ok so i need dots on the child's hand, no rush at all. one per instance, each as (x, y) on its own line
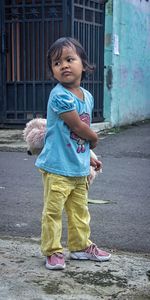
(96, 164)
(93, 145)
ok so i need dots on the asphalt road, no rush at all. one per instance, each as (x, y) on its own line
(123, 223)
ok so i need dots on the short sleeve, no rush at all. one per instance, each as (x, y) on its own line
(62, 103)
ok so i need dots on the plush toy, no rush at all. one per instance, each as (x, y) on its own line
(34, 134)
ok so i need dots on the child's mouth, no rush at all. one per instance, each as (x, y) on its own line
(66, 73)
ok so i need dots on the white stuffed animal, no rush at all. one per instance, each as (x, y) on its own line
(34, 134)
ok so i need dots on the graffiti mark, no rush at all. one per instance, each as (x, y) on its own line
(126, 75)
(138, 74)
(141, 5)
(123, 76)
(109, 8)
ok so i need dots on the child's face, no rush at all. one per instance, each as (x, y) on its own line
(68, 68)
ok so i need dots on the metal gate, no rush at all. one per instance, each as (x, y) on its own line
(88, 28)
(28, 27)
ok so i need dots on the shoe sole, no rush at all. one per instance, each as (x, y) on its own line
(56, 267)
(76, 257)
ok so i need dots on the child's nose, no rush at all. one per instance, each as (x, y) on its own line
(64, 65)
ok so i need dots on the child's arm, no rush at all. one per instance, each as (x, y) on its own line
(72, 119)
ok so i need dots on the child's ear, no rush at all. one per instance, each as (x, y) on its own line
(84, 69)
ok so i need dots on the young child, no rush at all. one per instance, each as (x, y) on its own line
(65, 158)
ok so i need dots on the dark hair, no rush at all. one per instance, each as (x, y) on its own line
(56, 50)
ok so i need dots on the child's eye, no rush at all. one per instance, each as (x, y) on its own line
(57, 63)
(70, 59)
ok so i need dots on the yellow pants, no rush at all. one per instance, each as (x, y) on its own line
(70, 193)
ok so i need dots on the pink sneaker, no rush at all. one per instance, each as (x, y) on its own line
(91, 253)
(55, 262)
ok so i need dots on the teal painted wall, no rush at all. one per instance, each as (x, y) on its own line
(108, 60)
(128, 98)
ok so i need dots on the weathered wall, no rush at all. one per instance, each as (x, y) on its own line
(128, 98)
(108, 60)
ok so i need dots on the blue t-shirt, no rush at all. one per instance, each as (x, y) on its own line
(64, 152)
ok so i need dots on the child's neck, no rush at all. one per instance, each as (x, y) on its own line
(76, 90)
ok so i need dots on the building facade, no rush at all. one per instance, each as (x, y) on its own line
(115, 35)
(127, 61)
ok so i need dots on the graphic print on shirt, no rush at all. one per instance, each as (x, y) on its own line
(81, 142)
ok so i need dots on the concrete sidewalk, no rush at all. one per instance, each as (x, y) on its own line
(12, 140)
(23, 275)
